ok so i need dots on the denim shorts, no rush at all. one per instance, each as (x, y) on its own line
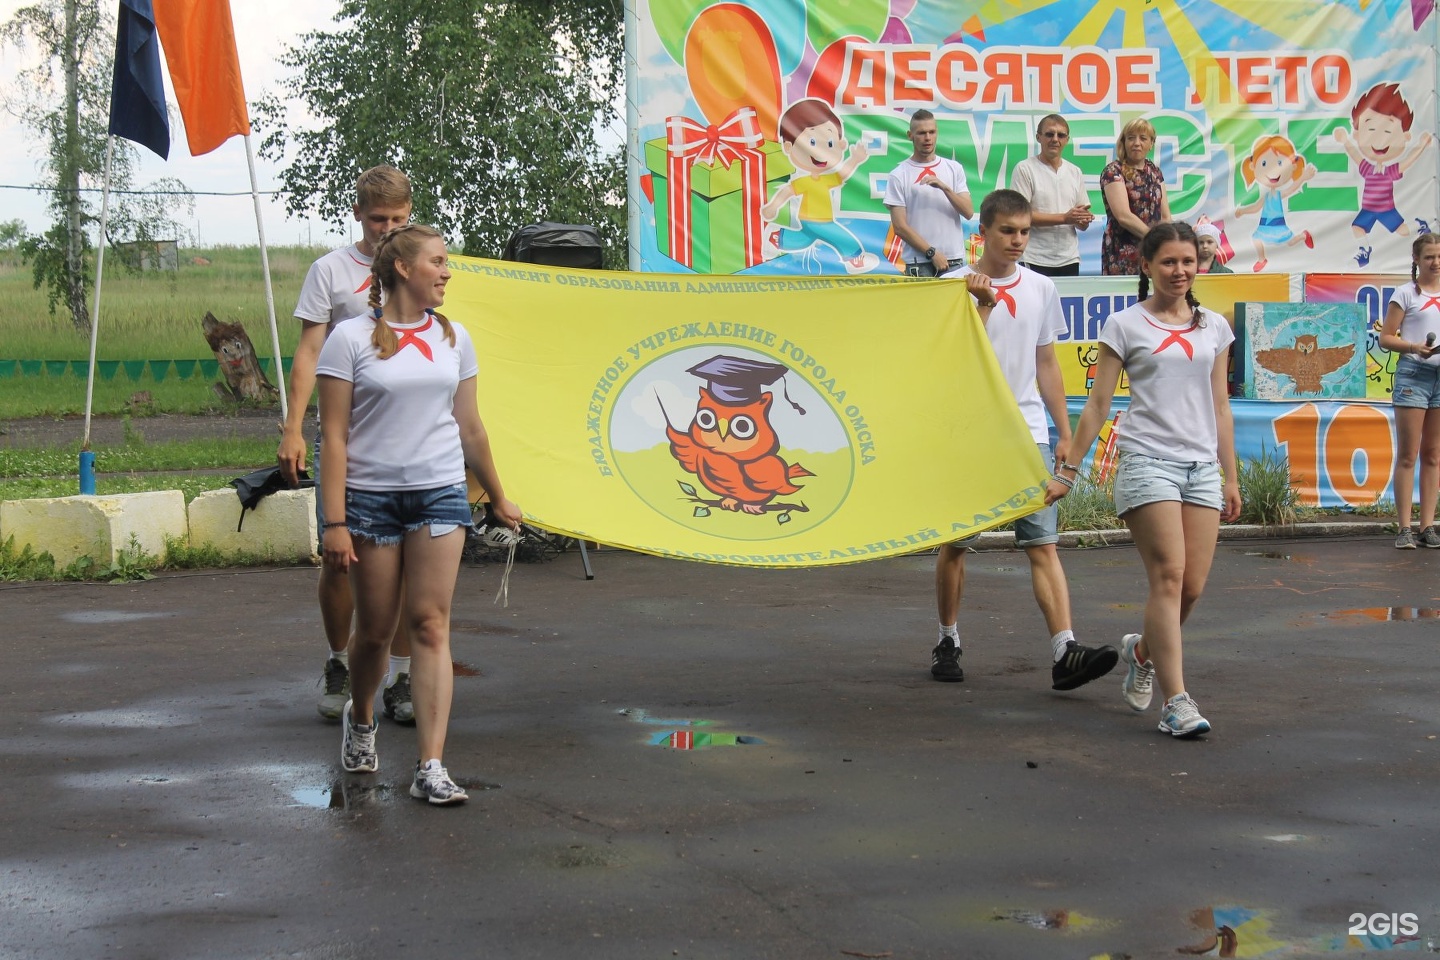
(385, 516)
(1416, 384)
(1140, 480)
(1035, 529)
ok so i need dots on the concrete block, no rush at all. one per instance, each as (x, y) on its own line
(69, 528)
(282, 526)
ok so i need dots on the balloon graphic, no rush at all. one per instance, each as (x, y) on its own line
(731, 62)
(830, 20)
(900, 9)
(787, 25)
(671, 19)
(895, 32)
(829, 69)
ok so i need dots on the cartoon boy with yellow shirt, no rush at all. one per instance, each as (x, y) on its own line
(814, 141)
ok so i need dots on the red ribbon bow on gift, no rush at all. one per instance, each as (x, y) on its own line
(734, 139)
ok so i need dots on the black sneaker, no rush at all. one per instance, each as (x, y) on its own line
(945, 662)
(1082, 664)
(396, 698)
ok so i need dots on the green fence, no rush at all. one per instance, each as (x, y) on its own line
(158, 370)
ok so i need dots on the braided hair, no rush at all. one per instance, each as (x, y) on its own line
(1150, 244)
(400, 244)
(1417, 248)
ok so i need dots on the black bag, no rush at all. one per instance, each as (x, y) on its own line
(254, 487)
(556, 245)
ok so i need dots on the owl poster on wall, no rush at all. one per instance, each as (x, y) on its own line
(1290, 351)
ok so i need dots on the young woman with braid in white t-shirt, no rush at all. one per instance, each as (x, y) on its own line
(1412, 321)
(1176, 478)
(398, 411)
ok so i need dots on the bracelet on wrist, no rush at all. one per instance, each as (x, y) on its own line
(1066, 481)
(1068, 466)
(330, 524)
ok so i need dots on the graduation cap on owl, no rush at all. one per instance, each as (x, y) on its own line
(738, 380)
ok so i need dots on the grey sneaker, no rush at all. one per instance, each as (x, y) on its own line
(1180, 717)
(1406, 540)
(1139, 683)
(1430, 538)
(397, 700)
(433, 783)
(336, 682)
(945, 662)
(357, 745)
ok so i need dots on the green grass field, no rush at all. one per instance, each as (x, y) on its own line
(144, 316)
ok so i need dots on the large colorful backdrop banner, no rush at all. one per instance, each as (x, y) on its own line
(1291, 122)
(770, 422)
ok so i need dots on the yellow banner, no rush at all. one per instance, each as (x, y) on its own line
(768, 422)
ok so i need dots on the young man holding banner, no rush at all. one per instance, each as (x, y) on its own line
(1021, 312)
(337, 288)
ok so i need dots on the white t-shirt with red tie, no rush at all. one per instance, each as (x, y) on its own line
(1026, 316)
(1172, 409)
(1422, 317)
(403, 433)
(927, 209)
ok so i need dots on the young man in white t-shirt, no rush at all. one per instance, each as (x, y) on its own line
(929, 201)
(1059, 202)
(337, 288)
(1021, 312)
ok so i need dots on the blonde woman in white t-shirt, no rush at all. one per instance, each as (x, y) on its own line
(1176, 478)
(1412, 321)
(398, 411)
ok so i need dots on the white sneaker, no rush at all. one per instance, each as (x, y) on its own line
(1180, 717)
(863, 263)
(1139, 683)
(433, 783)
(357, 744)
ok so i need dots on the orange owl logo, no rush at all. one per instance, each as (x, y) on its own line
(731, 446)
(1306, 361)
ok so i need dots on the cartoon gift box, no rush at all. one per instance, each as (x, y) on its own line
(708, 182)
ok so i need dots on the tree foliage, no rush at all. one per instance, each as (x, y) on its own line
(502, 114)
(64, 97)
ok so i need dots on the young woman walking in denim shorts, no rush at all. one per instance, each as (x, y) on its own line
(398, 411)
(1412, 322)
(1176, 479)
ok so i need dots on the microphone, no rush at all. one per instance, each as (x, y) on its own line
(1430, 339)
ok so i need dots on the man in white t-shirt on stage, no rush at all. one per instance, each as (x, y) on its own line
(929, 201)
(1059, 202)
(1021, 312)
(337, 288)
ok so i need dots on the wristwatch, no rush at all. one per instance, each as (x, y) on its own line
(929, 253)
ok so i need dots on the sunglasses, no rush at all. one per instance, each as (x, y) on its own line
(1055, 134)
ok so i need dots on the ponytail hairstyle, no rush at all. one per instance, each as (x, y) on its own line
(1157, 237)
(401, 244)
(1417, 248)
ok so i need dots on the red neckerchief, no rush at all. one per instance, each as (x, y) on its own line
(1432, 302)
(1003, 295)
(1173, 336)
(931, 171)
(408, 337)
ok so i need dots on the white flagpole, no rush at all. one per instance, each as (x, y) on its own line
(269, 290)
(87, 458)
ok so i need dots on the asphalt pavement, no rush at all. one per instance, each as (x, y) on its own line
(681, 760)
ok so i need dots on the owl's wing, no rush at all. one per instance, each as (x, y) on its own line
(1280, 361)
(684, 449)
(1331, 359)
(769, 475)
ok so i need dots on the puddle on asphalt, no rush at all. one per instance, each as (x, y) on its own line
(1269, 554)
(358, 794)
(465, 670)
(1385, 613)
(1233, 931)
(683, 735)
(1071, 920)
(109, 616)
